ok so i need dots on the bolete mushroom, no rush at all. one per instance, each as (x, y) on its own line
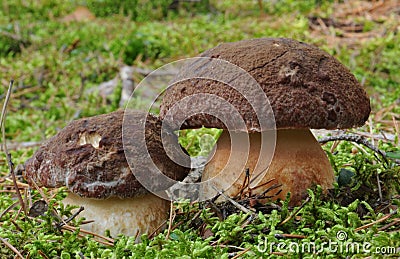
(307, 89)
(87, 157)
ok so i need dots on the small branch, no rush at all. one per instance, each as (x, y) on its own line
(44, 197)
(376, 221)
(391, 224)
(82, 232)
(17, 88)
(20, 185)
(263, 194)
(241, 253)
(16, 225)
(43, 254)
(8, 155)
(157, 230)
(359, 140)
(12, 248)
(215, 209)
(237, 205)
(81, 208)
(249, 220)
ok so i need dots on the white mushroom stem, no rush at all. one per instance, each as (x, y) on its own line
(298, 163)
(130, 216)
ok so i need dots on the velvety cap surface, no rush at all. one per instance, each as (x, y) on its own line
(306, 87)
(88, 157)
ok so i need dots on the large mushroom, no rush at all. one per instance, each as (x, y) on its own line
(307, 89)
(87, 157)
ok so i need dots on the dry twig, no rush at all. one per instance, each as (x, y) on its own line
(236, 204)
(391, 224)
(12, 248)
(108, 241)
(241, 253)
(64, 222)
(360, 140)
(8, 155)
(376, 221)
(154, 233)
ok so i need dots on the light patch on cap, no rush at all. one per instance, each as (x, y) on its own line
(287, 71)
(90, 138)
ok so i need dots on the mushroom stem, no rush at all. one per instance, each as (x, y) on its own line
(129, 216)
(298, 163)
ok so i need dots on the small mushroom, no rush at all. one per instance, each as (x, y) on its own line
(306, 88)
(87, 157)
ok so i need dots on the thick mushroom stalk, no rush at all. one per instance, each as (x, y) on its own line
(298, 163)
(306, 88)
(130, 216)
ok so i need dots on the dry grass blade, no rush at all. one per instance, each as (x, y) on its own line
(241, 253)
(43, 254)
(172, 216)
(20, 185)
(16, 225)
(64, 222)
(108, 241)
(8, 155)
(44, 197)
(273, 187)
(154, 233)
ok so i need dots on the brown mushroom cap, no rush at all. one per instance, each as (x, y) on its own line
(88, 157)
(306, 87)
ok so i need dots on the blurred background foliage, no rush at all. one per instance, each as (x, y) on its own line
(55, 50)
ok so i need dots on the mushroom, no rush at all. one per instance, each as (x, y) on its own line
(307, 89)
(87, 157)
